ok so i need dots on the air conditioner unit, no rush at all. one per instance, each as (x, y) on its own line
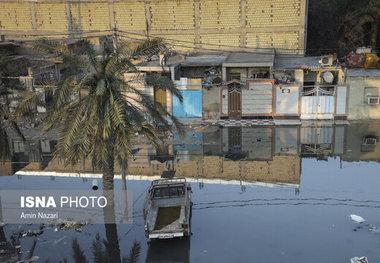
(373, 100)
(327, 60)
(370, 141)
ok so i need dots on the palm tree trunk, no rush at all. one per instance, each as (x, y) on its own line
(108, 173)
(112, 244)
(124, 184)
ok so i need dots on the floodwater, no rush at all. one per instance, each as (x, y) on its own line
(260, 194)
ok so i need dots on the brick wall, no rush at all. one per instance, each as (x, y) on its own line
(190, 24)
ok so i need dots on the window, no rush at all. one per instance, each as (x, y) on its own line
(234, 73)
(18, 146)
(165, 192)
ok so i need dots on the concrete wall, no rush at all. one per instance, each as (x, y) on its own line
(211, 103)
(358, 107)
(287, 100)
(224, 100)
(214, 24)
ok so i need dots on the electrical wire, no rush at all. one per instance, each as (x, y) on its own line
(193, 44)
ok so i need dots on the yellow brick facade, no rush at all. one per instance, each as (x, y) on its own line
(211, 24)
(172, 15)
(15, 16)
(282, 169)
(130, 16)
(51, 18)
(219, 14)
(90, 16)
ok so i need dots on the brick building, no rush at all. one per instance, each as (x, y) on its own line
(186, 24)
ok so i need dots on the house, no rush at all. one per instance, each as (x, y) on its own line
(363, 102)
(165, 66)
(206, 68)
(322, 91)
(197, 77)
(248, 90)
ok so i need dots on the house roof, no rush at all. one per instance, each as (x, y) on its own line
(204, 61)
(246, 59)
(298, 62)
(154, 64)
(363, 72)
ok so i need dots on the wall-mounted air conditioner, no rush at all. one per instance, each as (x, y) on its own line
(373, 100)
(327, 60)
(370, 141)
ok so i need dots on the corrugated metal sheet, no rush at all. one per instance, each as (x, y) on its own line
(258, 99)
(191, 106)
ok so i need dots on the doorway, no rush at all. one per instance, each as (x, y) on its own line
(234, 101)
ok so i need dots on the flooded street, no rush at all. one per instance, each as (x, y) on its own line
(260, 194)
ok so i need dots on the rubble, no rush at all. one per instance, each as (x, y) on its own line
(69, 224)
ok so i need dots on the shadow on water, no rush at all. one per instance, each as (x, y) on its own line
(177, 250)
(102, 252)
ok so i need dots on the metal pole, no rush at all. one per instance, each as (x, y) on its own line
(114, 38)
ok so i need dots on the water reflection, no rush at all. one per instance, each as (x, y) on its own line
(232, 155)
(169, 251)
(245, 154)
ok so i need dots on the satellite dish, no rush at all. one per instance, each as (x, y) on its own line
(327, 76)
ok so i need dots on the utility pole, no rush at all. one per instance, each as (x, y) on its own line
(114, 38)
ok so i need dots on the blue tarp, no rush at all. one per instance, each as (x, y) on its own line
(191, 106)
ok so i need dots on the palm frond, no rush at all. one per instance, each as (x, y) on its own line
(29, 103)
(148, 48)
(134, 253)
(78, 256)
(157, 80)
(51, 46)
(86, 48)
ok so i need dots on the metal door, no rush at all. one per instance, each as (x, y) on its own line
(160, 96)
(234, 102)
(317, 103)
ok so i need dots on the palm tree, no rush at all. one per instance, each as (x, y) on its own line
(4, 138)
(101, 125)
(6, 88)
(371, 15)
(100, 253)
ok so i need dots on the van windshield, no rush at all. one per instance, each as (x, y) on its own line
(165, 192)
